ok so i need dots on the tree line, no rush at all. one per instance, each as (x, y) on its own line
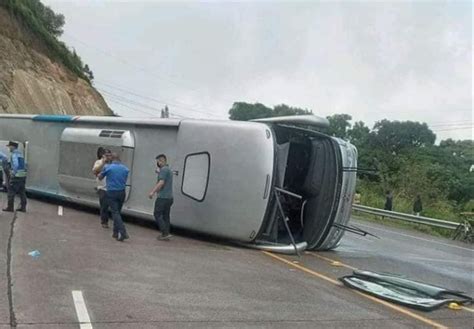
(397, 156)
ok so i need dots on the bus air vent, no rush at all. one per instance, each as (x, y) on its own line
(111, 133)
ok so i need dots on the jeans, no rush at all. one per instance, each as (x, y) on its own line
(104, 206)
(17, 186)
(162, 215)
(115, 201)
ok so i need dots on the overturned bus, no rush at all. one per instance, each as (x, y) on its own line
(275, 184)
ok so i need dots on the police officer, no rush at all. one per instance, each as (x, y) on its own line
(17, 180)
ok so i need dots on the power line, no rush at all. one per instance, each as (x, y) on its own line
(175, 104)
(150, 115)
(455, 128)
(129, 101)
(129, 107)
(126, 102)
(136, 67)
(448, 124)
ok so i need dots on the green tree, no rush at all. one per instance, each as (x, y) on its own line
(359, 134)
(245, 111)
(395, 135)
(51, 21)
(339, 125)
(285, 110)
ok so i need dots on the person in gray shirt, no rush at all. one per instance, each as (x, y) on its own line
(164, 200)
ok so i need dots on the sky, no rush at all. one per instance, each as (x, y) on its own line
(372, 60)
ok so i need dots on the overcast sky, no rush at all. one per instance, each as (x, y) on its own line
(372, 60)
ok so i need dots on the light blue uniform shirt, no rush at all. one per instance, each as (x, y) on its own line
(17, 163)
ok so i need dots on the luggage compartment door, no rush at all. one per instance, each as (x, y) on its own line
(78, 152)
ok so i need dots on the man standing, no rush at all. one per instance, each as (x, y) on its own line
(164, 200)
(417, 205)
(117, 174)
(388, 201)
(17, 180)
(103, 158)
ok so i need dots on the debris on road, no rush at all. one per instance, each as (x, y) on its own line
(403, 291)
(454, 306)
(35, 254)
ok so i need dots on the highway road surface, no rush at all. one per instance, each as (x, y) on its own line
(85, 279)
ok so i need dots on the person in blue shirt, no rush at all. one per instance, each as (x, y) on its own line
(116, 182)
(17, 181)
(164, 200)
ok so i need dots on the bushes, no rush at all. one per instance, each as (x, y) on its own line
(47, 25)
(434, 206)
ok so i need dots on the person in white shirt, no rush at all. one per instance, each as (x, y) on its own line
(103, 158)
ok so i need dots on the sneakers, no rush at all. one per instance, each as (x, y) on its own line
(7, 209)
(21, 209)
(115, 235)
(105, 225)
(164, 237)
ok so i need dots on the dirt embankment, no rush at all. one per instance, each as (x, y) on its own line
(32, 82)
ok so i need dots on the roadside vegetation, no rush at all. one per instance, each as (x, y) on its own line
(48, 27)
(400, 157)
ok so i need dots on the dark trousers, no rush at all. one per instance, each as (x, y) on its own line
(104, 207)
(17, 186)
(115, 201)
(162, 215)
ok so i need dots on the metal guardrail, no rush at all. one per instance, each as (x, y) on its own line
(407, 217)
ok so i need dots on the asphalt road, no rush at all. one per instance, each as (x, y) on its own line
(193, 282)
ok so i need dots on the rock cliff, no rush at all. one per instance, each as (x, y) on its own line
(33, 81)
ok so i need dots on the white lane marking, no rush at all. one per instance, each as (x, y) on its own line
(415, 237)
(60, 210)
(81, 310)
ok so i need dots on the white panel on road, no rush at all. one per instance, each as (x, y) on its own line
(60, 210)
(81, 310)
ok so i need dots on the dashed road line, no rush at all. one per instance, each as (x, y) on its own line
(304, 269)
(379, 301)
(81, 310)
(332, 261)
(60, 210)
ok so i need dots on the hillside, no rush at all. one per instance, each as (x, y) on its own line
(34, 79)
